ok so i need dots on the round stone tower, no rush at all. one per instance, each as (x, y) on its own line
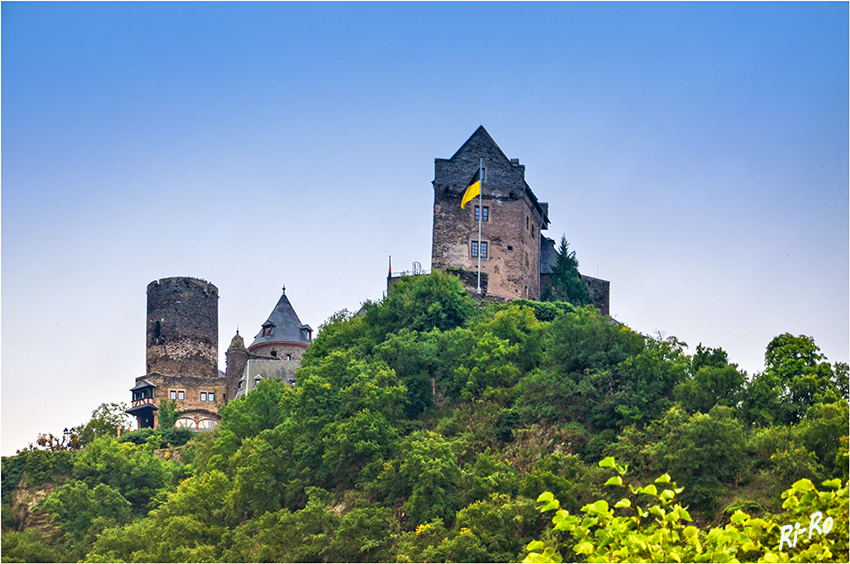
(182, 335)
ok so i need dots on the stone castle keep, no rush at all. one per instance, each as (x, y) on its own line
(182, 313)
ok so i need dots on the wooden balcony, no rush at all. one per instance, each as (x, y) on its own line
(143, 401)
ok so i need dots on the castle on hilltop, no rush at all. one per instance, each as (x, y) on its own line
(516, 258)
(182, 316)
(182, 354)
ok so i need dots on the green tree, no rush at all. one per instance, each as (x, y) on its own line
(308, 535)
(82, 513)
(491, 530)
(567, 284)
(705, 451)
(413, 356)
(821, 433)
(167, 416)
(31, 546)
(252, 413)
(187, 527)
(105, 421)
(712, 381)
(421, 303)
(489, 474)
(803, 377)
(133, 470)
(426, 474)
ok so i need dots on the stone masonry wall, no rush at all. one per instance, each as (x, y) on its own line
(182, 328)
(191, 404)
(600, 291)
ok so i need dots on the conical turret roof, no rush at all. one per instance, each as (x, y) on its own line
(283, 325)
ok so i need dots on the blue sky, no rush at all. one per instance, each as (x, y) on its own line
(694, 154)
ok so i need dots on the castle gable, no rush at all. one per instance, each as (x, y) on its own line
(479, 142)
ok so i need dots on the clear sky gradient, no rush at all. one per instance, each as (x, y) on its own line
(695, 155)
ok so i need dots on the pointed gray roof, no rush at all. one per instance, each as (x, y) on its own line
(284, 326)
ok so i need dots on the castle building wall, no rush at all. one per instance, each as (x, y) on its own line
(511, 231)
(187, 393)
(269, 360)
(182, 328)
(600, 291)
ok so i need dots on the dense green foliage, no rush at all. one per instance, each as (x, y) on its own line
(424, 428)
(648, 525)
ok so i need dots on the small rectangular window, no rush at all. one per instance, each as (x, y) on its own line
(485, 217)
(203, 396)
(475, 248)
(483, 250)
(181, 395)
(211, 396)
(172, 394)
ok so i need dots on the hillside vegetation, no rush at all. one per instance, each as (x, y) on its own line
(425, 428)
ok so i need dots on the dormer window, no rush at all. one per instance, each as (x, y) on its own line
(267, 330)
(307, 333)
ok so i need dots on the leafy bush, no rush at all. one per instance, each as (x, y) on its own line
(654, 527)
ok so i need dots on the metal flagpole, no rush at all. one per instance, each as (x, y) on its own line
(480, 216)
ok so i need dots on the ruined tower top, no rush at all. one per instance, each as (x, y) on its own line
(182, 328)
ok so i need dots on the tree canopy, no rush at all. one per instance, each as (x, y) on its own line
(425, 427)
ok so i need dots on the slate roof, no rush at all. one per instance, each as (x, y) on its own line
(285, 325)
(142, 384)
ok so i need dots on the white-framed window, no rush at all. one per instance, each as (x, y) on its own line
(211, 396)
(172, 394)
(203, 396)
(486, 214)
(181, 394)
(474, 249)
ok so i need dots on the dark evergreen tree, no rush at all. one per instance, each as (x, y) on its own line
(567, 285)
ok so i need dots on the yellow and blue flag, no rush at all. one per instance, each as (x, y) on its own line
(472, 190)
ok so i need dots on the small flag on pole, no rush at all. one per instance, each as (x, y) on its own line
(473, 189)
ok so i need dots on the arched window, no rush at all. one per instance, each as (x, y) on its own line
(186, 423)
(207, 424)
